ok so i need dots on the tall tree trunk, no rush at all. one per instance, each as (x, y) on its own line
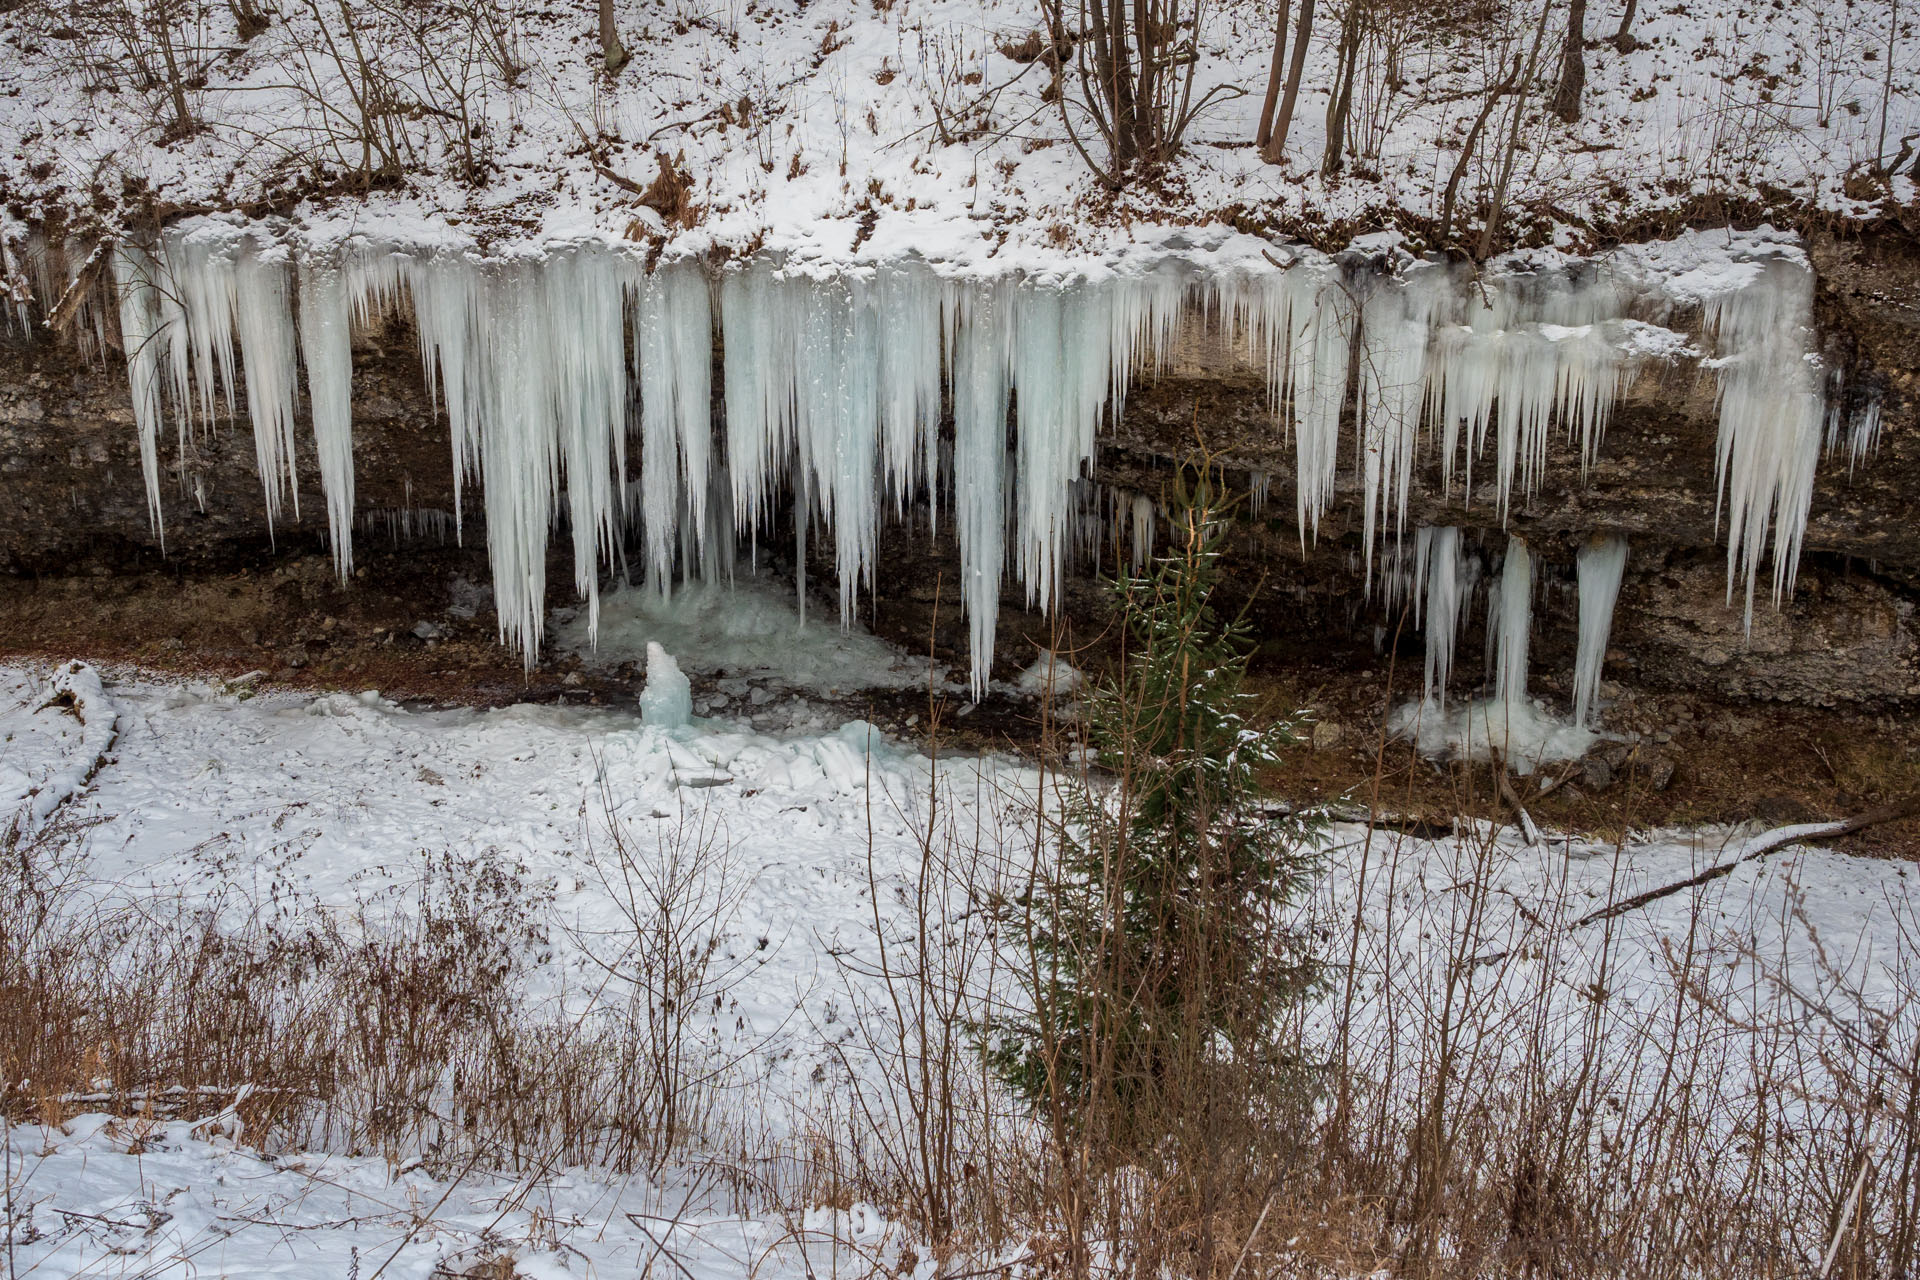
(1467, 148)
(1497, 205)
(611, 49)
(176, 82)
(1340, 105)
(1276, 72)
(1573, 64)
(1146, 78)
(1623, 38)
(1276, 147)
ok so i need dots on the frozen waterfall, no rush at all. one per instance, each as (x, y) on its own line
(835, 382)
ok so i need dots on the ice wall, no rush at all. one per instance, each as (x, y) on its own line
(837, 386)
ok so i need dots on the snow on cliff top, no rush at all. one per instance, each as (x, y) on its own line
(839, 129)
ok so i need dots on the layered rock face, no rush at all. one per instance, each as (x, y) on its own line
(1846, 635)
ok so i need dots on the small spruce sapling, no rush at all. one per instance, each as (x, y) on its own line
(1159, 954)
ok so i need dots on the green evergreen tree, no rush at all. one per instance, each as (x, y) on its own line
(1159, 952)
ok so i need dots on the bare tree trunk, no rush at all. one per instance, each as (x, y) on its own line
(1340, 105)
(1573, 64)
(614, 53)
(1623, 38)
(1467, 148)
(1275, 74)
(176, 83)
(1276, 147)
(1886, 86)
(1496, 206)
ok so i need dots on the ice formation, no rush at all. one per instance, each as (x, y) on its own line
(1602, 562)
(1772, 410)
(666, 700)
(1510, 625)
(833, 384)
(1441, 585)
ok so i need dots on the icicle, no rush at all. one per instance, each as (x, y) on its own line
(1441, 572)
(981, 342)
(140, 329)
(449, 310)
(1141, 516)
(837, 421)
(1393, 354)
(1511, 626)
(263, 318)
(1770, 418)
(759, 359)
(1062, 368)
(327, 348)
(673, 330)
(1523, 352)
(908, 298)
(1602, 562)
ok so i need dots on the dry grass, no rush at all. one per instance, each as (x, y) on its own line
(1491, 1095)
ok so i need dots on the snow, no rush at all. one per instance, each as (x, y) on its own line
(323, 803)
(839, 130)
(57, 739)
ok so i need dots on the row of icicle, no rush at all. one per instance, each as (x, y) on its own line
(834, 387)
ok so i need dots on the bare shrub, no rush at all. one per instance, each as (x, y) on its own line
(669, 964)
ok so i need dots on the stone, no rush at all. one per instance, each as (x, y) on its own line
(1597, 774)
(1327, 735)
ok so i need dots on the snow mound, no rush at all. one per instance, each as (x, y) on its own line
(53, 739)
(1050, 674)
(1520, 731)
(751, 628)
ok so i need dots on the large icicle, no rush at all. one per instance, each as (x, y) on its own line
(326, 345)
(263, 318)
(1439, 568)
(981, 343)
(1393, 355)
(1511, 626)
(673, 333)
(1602, 562)
(909, 298)
(1062, 367)
(140, 331)
(1771, 414)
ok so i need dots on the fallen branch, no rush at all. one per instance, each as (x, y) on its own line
(1529, 829)
(1749, 850)
(1756, 847)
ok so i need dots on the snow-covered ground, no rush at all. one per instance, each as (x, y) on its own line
(839, 128)
(326, 803)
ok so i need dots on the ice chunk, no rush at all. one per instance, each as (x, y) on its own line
(666, 701)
